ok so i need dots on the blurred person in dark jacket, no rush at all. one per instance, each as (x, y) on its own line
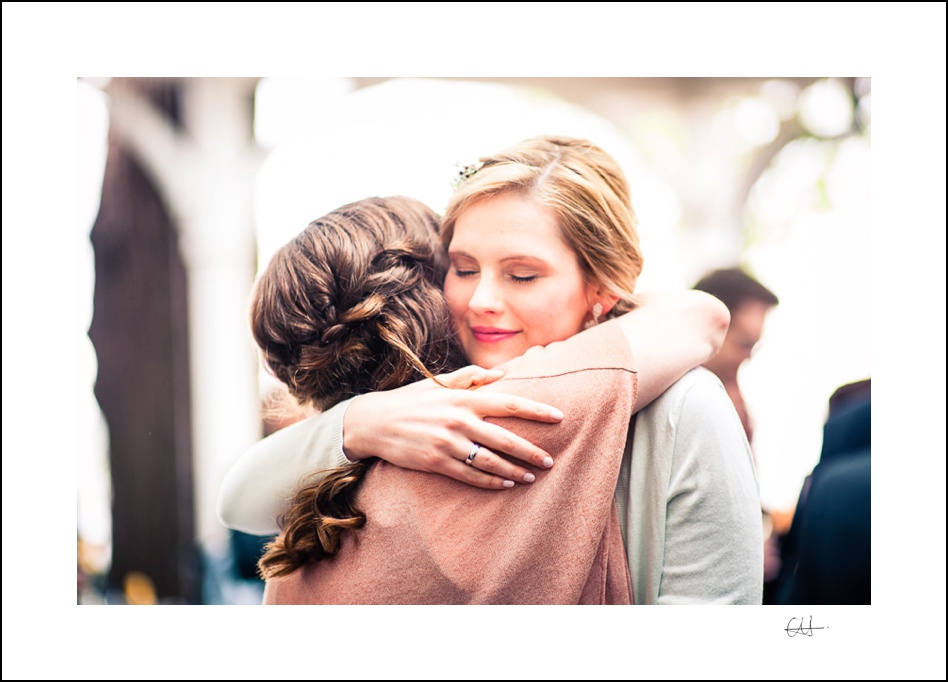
(827, 552)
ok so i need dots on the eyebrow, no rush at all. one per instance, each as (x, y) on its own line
(506, 259)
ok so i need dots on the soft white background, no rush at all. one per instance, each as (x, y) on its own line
(46, 46)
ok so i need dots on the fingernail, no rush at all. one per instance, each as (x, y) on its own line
(548, 462)
(529, 478)
(508, 484)
(556, 414)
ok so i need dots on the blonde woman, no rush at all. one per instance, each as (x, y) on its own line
(542, 243)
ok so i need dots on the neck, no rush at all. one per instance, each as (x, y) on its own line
(728, 377)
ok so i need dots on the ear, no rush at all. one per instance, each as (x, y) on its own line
(608, 302)
(602, 297)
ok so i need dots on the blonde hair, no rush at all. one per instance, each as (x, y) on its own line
(586, 190)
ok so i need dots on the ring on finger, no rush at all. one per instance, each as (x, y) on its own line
(470, 458)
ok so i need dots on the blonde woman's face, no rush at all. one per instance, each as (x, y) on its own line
(513, 281)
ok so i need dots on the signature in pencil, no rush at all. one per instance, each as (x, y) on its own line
(799, 626)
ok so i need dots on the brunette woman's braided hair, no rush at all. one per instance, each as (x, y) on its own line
(353, 304)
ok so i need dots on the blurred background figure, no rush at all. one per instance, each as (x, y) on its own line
(749, 302)
(826, 555)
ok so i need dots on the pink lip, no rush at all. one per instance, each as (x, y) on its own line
(492, 334)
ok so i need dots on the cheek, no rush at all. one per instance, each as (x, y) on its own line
(553, 315)
(456, 297)
(734, 352)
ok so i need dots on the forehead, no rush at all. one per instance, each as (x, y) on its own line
(749, 317)
(508, 221)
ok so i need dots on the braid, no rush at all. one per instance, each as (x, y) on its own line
(314, 526)
(343, 309)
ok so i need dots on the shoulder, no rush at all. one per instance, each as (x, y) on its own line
(698, 391)
(696, 414)
(603, 347)
(700, 381)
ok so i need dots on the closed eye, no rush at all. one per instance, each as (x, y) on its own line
(464, 273)
(523, 278)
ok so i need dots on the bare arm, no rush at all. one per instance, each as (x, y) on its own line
(427, 428)
(671, 333)
(258, 487)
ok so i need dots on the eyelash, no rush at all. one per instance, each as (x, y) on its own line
(519, 280)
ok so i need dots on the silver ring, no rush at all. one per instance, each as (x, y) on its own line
(470, 457)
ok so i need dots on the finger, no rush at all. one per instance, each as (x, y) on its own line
(468, 377)
(485, 376)
(490, 463)
(500, 440)
(488, 404)
(470, 475)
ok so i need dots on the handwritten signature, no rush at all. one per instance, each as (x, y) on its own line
(798, 626)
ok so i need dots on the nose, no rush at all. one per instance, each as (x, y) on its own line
(486, 297)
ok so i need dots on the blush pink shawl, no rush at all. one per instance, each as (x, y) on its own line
(429, 539)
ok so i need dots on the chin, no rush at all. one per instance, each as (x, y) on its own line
(490, 359)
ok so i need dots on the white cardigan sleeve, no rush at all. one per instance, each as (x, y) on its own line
(258, 488)
(695, 532)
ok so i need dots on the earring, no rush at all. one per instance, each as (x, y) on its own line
(596, 311)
